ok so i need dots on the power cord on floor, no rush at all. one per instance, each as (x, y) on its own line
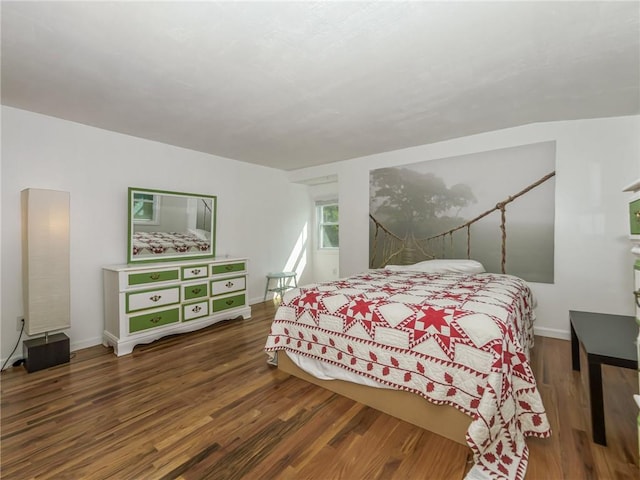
(18, 362)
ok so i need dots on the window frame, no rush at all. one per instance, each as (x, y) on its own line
(155, 211)
(320, 224)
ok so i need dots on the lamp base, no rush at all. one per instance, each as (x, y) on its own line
(45, 352)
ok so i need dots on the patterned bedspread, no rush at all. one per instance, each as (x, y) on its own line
(157, 243)
(455, 339)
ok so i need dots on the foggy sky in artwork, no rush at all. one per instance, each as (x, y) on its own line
(492, 177)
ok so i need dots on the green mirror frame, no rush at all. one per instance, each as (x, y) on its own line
(169, 226)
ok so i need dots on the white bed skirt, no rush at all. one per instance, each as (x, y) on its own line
(326, 371)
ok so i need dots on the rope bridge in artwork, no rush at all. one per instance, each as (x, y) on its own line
(394, 246)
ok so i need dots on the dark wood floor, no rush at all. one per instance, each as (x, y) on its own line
(206, 405)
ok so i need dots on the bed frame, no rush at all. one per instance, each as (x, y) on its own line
(441, 419)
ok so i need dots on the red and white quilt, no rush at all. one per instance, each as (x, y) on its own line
(161, 243)
(455, 339)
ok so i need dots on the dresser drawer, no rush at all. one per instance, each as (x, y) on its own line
(153, 277)
(152, 320)
(152, 298)
(228, 285)
(226, 303)
(191, 292)
(227, 268)
(195, 271)
(195, 310)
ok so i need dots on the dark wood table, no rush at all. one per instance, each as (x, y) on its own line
(606, 339)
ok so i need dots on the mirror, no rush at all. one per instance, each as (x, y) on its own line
(169, 226)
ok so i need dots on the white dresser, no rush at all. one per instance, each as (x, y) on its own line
(143, 303)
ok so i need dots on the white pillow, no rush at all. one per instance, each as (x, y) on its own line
(441, 266)
(201, 234)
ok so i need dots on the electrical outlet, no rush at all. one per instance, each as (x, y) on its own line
(20, 322)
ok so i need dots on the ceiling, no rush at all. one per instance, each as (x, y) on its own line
(296, 84)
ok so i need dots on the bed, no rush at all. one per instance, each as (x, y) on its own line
(445, 348)
(161, 243)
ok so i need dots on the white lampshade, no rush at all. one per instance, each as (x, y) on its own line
(45, 260)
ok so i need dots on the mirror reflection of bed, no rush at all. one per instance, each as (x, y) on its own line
(441, 344)
(170, 225)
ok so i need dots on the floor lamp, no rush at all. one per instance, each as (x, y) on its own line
(45, 277)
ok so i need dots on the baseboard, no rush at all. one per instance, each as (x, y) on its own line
(90, 342)
(552, 333)
(254, 300)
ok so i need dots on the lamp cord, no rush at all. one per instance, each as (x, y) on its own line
(14, 348)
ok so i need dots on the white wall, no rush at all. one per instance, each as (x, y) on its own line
(595, 160)
(261, 214)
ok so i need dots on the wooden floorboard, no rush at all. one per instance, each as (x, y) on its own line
(205, 405)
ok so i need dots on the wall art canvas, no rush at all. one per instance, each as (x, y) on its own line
(496, 207)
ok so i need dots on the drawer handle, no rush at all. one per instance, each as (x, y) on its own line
(154, 276)
(155, 298)
(228, 267)
(228, 284)
(196, 309)
(155, 319)
(196, 291)
(195, 271)
(229, 302)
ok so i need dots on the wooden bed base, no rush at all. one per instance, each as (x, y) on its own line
(440, 419)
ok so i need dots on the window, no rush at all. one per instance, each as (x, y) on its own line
(328, 229)
(145, 208)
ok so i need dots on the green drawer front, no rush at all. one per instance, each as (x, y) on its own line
(229, 267)
(153, 277)
(152, 320)
(634, 214)
(229, 302)
(195, 291)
